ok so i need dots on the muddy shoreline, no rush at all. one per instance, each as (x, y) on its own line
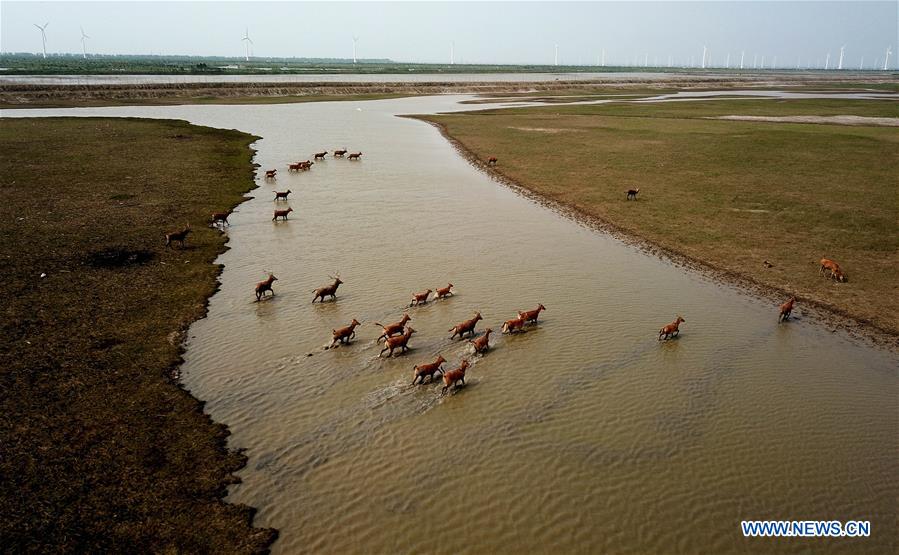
(14, 95)
(834, 318)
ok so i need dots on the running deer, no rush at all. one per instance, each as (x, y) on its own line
(786, 309)
(671, 330)
(344, 335)
(282, 195)
(177, 236)
(531, 315)
(354, 156)
(455, 375)
(420, 298)
(282, 214)
(220, 218)
(514, 325)
(339, 153)
(465, 327)
(423, 370)
(836, 273)
(444, 292)
(482, 343)
(295, 167)
(270, 174)
(264, 286)
(328, 290)
(320, 155)
(491, 161)
(632, 194)
(307, 165)
(398, 342)
(393, 329)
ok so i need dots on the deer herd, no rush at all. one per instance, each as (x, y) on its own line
(396, 336)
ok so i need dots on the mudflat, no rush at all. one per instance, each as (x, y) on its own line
(102, 449)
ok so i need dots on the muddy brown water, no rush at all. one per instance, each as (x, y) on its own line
(584, 434)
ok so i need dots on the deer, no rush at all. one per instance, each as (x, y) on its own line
(465, 327)
(491, 161)
(786, 309)
(344, 335)
(455, 375)
(531, 315)
(320, 155)
(422, 370)
(632, 194)
(398, 342)
(836, 273)
(515, 325)
(420, 298)
(220, 218)
(282, 195)
(178, 236)
(339, 153)
(264, 286)
(393, 329)
(307, 165)
(671, 330)
(282, 214)
(295, 167)
(482, 343)
(270, 174)
(444, 292)
(354, 156)
(328, 290)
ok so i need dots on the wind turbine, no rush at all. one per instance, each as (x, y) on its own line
(355, 40)
(247, 41)
(556, 58)
(885, 60)
(603, 57)
(840, 63)
(83, 36)
(43, 36)
(453, 53)
(861, 63)
(703, 56)
(827, 62)
(742, 54)
(727, 61)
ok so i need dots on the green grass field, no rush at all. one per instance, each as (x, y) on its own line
(101, 450)
(729, 193)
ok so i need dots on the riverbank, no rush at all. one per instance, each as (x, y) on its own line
(722, 196)
(103, 450)
(23, 95)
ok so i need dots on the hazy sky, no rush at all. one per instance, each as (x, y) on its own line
(483, 32)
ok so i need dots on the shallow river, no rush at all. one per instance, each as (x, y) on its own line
(584, 434)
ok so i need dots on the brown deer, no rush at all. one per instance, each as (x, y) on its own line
(264, 286)
(307, 165)
(344, 335)
(482, 343)
(491, 161)
(514, 325)
(339, 153)
(393, 329)
(398, 342)
(320, 155)
(328, 290)
(465, 327)
(632, 194)
(270, 174)
(423, 370)
(220, 218)
(178, 236)
(531, 315)
(420, 298)
(282, 214)
(444, 292)
(455, 375)
(354, 156)
(786, 309)
(836, 273)
(671, 330)
(295, 167)
(282, 195)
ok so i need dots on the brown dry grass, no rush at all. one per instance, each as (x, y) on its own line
(101, 449)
